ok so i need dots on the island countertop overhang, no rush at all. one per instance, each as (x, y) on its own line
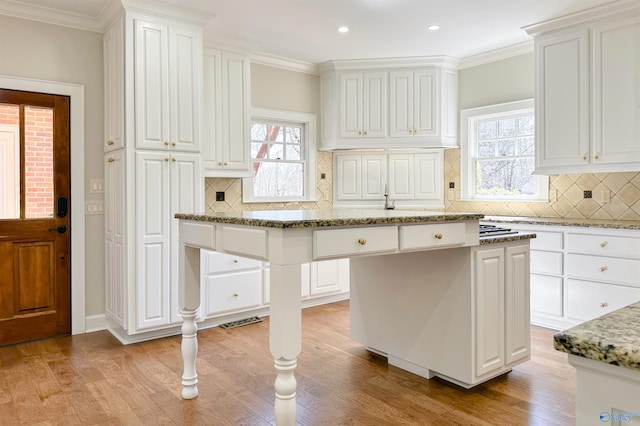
(327, 218)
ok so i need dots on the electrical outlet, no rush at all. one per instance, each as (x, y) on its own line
(323, 175)
(553, 195)
(220, 196)
(452, 185)
(94, 207)
(605, 196)
(588, 194)
(451, 195)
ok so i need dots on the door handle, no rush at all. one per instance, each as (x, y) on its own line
(60, 229)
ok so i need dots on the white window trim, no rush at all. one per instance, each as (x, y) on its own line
(468, 117)
(310, 123)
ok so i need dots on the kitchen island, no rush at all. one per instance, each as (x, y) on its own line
(401, 241)
(606, 355)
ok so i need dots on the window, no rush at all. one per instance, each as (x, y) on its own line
(498, 153)
(282, 157)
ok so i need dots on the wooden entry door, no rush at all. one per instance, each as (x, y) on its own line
(35, 216)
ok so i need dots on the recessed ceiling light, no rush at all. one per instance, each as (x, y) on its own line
(343, 29)
(433, 27)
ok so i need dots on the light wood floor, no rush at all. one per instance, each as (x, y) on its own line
(94, 380)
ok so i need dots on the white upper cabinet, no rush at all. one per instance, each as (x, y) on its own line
(616, 92)
(363, 104)
(113, 55)
(389, 103)
(588, 91)
(226, 119)
(167, 74)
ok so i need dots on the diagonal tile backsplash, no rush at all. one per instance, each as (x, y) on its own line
(621, 189)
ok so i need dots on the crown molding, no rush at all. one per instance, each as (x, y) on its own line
(166, 10)
(50, 16)
(614, 9)
(496, 55)
(413, 61)
(284, 63)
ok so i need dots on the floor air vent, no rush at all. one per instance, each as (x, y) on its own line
(239, 323)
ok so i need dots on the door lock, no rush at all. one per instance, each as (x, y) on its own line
(60, 229)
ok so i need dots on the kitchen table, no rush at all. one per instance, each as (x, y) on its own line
(287, 239)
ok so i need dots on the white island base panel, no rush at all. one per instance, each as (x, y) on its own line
(606, 394)
(443, 313)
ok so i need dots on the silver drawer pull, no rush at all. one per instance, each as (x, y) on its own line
(604, 304)
(603, 244)
(603, 268)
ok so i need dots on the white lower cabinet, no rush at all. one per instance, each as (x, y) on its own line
(580, 273)
(501, 308)
(235, 287)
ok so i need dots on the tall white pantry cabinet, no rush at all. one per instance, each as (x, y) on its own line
(153, 80)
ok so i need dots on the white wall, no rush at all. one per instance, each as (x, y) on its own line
(284, 89)
(42, 51)
(507, 80)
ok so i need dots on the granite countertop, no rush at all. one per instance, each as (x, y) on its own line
(554, 221)
(613, 338)
(490, 239)
(325, 218)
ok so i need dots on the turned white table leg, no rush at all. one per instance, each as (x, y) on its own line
(285, 335)
(190, 262)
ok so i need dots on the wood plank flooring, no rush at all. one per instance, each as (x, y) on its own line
(94, 380)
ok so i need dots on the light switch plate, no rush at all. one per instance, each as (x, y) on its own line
(94, 207)
(97, 186)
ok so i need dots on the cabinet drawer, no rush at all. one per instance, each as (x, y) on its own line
(604, 245)
(546, 240)
(245, 241)
(353, 241)
(546, 262)
(435, 235)
(587, 300)
(600, 268)
(232, 292)
(215, 263)
(546, 294)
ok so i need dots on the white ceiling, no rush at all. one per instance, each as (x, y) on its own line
(305, 30)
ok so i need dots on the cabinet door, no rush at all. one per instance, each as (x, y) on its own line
(211, 108)
(616, 92)
(429, 176)
(113, 51)
(562, 100)
(489, 310)
(425, 108)
(185, 64)
(186, 192)
(151, 85)
(153, 217)
(401, 176)
(349, 172)
(234, 153)
(517, 322)
(351, 87)
(115, 255)
(374, 172)
(401, 103)
(374, 104)
(329, 276)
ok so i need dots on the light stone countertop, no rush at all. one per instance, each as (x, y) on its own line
(552, 221)
(613, 338)
(327, 218)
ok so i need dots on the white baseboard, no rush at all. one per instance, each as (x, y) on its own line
(95, 323)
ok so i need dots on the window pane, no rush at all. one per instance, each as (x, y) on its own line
(506, 147)
(38, 162)
(293, 152)
(276, 151)
(256, 148)
(487, 149)
(526, 145)
(486, 130)
(526, 126)
(9, 161)
(505, 177)
(278, 180)
(279, 136)
(507, 128)
(258, 132)
(293, 134)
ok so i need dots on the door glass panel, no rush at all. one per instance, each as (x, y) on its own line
(9, 161)
(38, 162)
